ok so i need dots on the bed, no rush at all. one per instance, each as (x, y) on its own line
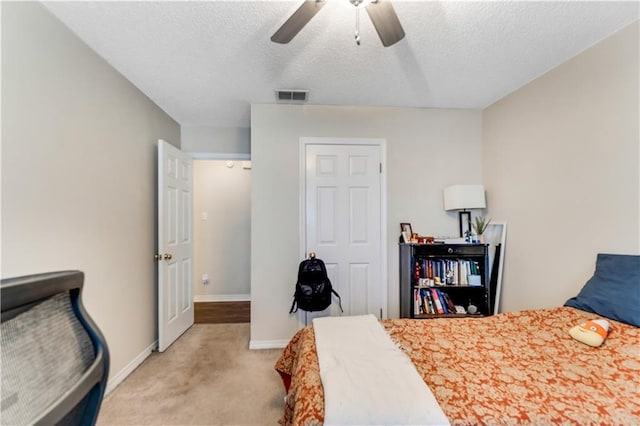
(511, 368)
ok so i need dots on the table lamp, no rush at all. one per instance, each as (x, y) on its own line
(463, 197)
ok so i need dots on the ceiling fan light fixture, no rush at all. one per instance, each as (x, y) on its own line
(358, 4)
(381, 13)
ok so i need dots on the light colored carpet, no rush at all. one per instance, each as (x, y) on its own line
(207, 377)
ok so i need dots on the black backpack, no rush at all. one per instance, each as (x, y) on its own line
(313, 289)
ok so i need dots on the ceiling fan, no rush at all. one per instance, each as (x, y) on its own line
(381, 12)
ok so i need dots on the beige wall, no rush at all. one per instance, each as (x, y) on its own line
(218, 140)
(78, 171)
(561, 166)
(426, 151)
(222, 242)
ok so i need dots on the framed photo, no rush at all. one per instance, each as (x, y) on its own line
(406, 231)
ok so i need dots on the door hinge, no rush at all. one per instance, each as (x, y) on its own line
(380, 167)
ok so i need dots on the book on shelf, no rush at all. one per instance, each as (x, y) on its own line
(428, 305)
(463, 273)
(436, 301)
(446, 272)
(450, 306)
(445, 309)
(433, 301)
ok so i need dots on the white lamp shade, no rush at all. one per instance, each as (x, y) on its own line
(460, 197)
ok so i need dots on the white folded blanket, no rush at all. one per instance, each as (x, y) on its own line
(367, 380)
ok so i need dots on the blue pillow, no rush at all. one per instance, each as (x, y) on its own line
(614, 289)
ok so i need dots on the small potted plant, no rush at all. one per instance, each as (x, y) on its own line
(479, 225)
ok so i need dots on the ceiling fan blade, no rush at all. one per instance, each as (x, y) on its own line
(297, 21)
(386, 22)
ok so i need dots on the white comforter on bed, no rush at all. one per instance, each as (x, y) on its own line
(367, 380)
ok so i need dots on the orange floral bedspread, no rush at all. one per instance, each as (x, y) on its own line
(512, 368)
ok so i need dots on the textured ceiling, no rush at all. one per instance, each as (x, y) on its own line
(205, 63)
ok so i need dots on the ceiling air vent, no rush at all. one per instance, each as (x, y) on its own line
(292, 96)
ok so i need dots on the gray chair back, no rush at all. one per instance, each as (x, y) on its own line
(54, 359)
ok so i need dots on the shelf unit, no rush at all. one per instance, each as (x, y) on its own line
(435, 260)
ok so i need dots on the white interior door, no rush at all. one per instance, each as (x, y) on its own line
(343, 223)
(175, 240)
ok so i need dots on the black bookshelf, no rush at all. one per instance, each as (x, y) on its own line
(458, 272)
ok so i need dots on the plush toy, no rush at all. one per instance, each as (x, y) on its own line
(591, 332)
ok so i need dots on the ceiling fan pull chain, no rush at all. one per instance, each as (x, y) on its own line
(358, 27)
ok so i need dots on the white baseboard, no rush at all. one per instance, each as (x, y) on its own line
(267, 344)
(124, 373)
(222, 298)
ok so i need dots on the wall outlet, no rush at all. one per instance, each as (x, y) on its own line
(205, 279)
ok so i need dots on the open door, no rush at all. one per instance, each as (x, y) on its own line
(175, 244)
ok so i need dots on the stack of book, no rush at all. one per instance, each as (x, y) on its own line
(432, 301)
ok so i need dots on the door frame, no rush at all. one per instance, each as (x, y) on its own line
(384, 258)
(216, 156)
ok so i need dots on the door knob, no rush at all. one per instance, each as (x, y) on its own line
(166, 256)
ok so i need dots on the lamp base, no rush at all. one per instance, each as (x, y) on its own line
(464, 218)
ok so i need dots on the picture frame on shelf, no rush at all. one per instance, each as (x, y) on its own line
(465, 223)
(406, 232)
